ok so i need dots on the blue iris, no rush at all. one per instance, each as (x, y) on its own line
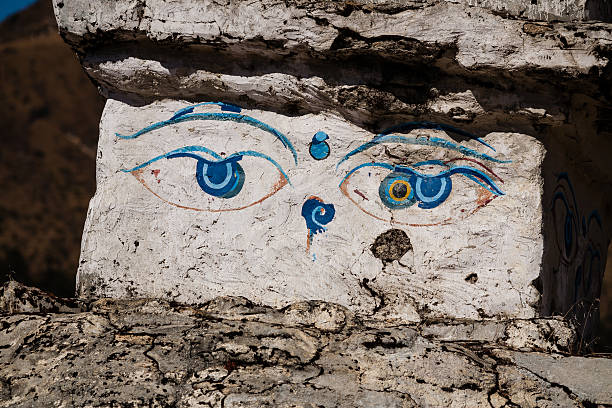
(396, 192)
(431, 191)
(220, 179)
(223, 178)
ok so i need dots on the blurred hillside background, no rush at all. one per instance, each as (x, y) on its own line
(49, 114)
(49, 127)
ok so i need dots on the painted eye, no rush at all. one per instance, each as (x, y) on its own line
(189, 180)
(199, 178)
(565, 219)
(389, 192)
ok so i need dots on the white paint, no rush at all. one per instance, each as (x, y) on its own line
(135, 244)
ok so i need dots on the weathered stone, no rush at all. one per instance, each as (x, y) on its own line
(563, 10)
(161, 222)
(537, 92)
(17, 298)
(141, 353)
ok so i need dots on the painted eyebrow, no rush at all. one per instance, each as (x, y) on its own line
(432, 125)
(187, 151)
(233, 115)
(423, 141)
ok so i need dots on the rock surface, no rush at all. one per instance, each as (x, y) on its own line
(230, 352)
(537, 92)
(476, 255)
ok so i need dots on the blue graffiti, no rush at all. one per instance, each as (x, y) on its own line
(319, 149)
(317, 214)
(585, 254)
(186, 114)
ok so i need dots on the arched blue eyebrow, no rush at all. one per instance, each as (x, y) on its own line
(186, 115)
(186, 149)
(187, 152)
(408, 126)
(424, 141)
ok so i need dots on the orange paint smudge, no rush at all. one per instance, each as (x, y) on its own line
(484, 197)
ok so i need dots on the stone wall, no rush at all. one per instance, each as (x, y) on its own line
(494, 128)
(229, 352)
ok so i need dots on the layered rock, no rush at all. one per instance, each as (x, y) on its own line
(229, 352)
(489, 202)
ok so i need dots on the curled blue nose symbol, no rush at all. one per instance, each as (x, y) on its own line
(317, 214)
(319, 149)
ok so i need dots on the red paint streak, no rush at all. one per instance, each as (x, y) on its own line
(478, 163)
(360, 194)
(156, 174)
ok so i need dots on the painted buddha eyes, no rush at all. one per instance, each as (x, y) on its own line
(401, 187)
(198, 178)
(191, 181)
(402, 190)
(222, 183)
(400, 193)
(405, 186)
(374, 187)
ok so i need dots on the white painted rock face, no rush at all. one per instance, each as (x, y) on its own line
(409, 224)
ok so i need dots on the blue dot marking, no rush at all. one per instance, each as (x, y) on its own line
(319, 149)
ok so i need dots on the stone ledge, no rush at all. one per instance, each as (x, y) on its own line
(230, 352)
(384, 62)
(319, 30)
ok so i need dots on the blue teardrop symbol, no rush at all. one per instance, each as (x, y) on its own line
(319, 149)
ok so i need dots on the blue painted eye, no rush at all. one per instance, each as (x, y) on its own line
(402, 189)
(220, 179)
(217, 177)
(223, 178)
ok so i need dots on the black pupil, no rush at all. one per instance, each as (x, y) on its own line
(400, 190)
